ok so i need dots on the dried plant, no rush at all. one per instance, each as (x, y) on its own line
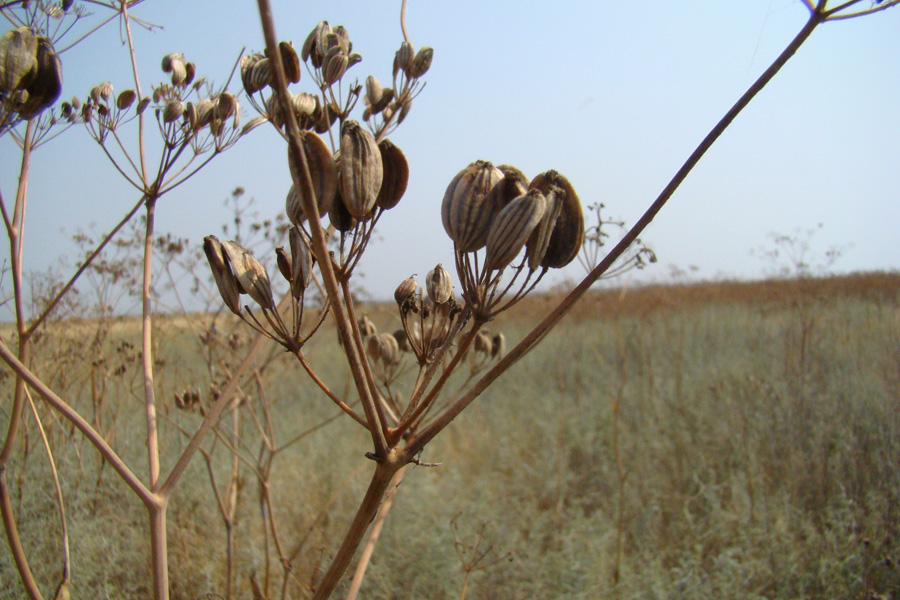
(508, 231)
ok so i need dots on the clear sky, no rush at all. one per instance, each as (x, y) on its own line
(614, 95)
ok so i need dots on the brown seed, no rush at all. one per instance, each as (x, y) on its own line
(406, 289)
(323, 173)
(301, 263)
(439, 285)
(290, 60)
(251, 276)
(513, 185)
(18, 58)
(404, 57)
(512, 227)
(568, 232)
(396, 175)
(174, 109)
(422, 62)
(125, 99)
(248, 61)
(339, 217)
(536, 247)
(362, 170)
(334, 66)
(45, 87)
(222, 274)
(467, 208)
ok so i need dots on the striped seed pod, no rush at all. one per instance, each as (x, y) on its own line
(422, 62)
(513, 185)
(250, 275)
(536, 247)
(512, 227)
(467, 208)
(290, 60)
(323, 173)
(46, 85)
(406, 289)
(403, 59)
(362, 170)
(438, 285)
(396, 175)
(173, 110)
(222, 274)
(568, 231)
(388, 349)
(301, 263)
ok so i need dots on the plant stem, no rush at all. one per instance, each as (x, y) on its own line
(381, 479)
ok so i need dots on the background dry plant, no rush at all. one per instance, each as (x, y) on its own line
(233, 406)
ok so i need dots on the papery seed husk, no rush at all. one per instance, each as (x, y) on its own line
(498, 346)
(169, 60)
(323, 173)
(389, 349)
(190, 113)
(305, 104)
(334, 65)
(404, 57)
(343, 37)
(467, 208)
(225, 105)
(536, 247)
(568, 232)
(105, 90)
(283, 261)
(353, 58)
(373, 91)
(253, 124)
(174, 109)
(422, 62)
(339, 217)
(125, 99)
(438, 285)
(406, 289)
(222, 274)
(206, 112)
(250, 274)
(362, 170)
(179, 73)
(396, 175)
(190, 70)
(46, 86)
(247, 62)
(290, 60)
(512, 227)
(260, 74)
(513, 185)
(301, 260)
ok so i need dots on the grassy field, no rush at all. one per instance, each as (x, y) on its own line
(729, 440)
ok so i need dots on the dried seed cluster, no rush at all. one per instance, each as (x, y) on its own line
(30, 74)
(497, 209)
(428, 315)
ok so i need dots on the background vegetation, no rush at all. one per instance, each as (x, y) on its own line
(715, 440)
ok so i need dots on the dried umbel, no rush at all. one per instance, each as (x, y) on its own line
(467, 208)
(323, 173)
(362, 170)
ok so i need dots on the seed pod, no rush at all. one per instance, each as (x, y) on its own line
(247, 63)
(125, 99)
(403, 59)
(283, 261)
(343, 37)
(46, 85)
(206, 112)
(513, 185)
(396, 175)
(439, 285)
(512, 227)
(253, 124)
(339, 217)
(568, 231)
(305, 105)
(250, 275)
(301, 263)
(334, 65)
(362, 169)
(536, 247)
(310, 50)
(323, 173)
(222, 274)
(260, 75)
(467, 208)
(373, 91)
(402, 340)
(482, 343)
(422, 62)
(190, 115)
(290, 60)
(406, 289)
(498, 346)
(190, 70)
(174, 109)
(18, 58)
(142, 105)
(226, 104)
(366, 327)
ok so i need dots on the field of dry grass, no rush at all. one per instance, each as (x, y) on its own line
(735, 440)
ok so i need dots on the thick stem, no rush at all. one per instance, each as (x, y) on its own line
(369, 548)
(538, 333)
(147, 350)
(15, 544)
(381, 480)
(159, 551)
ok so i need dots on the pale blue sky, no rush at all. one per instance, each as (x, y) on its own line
(615, 95)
